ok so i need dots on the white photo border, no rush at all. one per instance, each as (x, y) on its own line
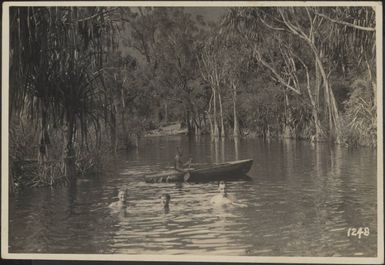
(189, 258)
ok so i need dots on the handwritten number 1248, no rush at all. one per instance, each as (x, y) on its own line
(358, 232)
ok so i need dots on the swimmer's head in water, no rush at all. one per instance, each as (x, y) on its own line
(122, 195)
(222, 187)
(165, 199)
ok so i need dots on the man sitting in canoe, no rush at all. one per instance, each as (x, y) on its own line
(180, 165)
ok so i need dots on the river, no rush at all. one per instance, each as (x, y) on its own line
(301, 200)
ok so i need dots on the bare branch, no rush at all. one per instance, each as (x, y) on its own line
(277, 76)
(346, 23)
(269, 26)
(96, 15)
(293, 28)
(311, 21)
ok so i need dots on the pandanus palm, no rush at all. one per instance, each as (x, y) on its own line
(53, 70)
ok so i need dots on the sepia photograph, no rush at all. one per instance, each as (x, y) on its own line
(192, 131)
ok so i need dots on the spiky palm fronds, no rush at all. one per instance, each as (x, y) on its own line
(55, 61)
(361, 114)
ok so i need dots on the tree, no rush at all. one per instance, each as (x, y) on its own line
(309, 30)
(54, 70)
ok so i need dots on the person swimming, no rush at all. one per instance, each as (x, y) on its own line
(121, 204)
(165, 201)
(223, 198)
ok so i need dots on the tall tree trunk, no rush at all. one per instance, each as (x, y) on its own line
(113, 131)
(124, 127)
(69, 151)
(188, 122)
(11, 184)
(43, 139)
(165, 112)
(196, 130)
(123, 117)
(316, 102)
(216, 129)
(156, 113)
(334, 121)
(196, 120)
(223, 133)
(372, 82)
(236, 147)
(286, 127)
(236, 127)
(317, 82)
(98, 135)
(211, 126)
(209, 117)
(216, 149)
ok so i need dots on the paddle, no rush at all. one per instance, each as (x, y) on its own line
(187, 175)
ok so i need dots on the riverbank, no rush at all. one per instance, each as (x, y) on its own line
(167, 130)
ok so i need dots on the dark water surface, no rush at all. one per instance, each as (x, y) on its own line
(301, 201)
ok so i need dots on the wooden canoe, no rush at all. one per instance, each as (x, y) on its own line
(209, 172)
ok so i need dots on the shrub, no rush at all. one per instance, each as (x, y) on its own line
(360, 119)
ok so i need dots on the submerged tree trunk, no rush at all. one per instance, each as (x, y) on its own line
(189, 123)
(236, 147)
(197, 131)
(286, 127)
(210, 124)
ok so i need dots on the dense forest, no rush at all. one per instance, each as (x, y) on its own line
(89, 81)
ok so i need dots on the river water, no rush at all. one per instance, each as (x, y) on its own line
(301, 201)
